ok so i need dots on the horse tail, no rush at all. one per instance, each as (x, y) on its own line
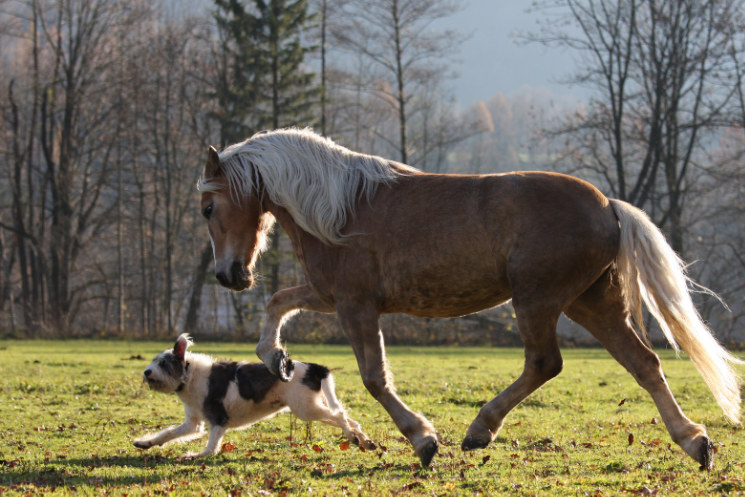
(649, 270)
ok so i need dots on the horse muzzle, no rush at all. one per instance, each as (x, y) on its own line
(236, 277)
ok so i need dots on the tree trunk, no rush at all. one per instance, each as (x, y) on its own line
(195, 299)
(401, 97)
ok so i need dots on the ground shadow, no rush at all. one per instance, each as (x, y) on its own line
(82, 472)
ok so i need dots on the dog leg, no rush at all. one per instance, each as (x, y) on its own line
(325, 407)
(213, 444)
(352, 430)
(355, 430)
(188, 429)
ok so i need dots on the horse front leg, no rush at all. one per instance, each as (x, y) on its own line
(362, 328)
(282, 306)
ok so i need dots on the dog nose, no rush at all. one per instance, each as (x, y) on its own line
(147, 373)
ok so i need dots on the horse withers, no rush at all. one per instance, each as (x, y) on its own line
(375, 236)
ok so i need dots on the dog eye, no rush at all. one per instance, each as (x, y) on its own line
(207, 211)
(161, 363)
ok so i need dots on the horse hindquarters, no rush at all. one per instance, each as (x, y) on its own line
(650, 270)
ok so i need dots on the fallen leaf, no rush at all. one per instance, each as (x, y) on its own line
(228, 447)
(631, 438)
(623, 401)
(344, 445)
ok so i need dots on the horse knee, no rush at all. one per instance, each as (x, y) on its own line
(375, 383)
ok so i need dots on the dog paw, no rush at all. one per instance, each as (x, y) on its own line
(190, 456)
(142, 444)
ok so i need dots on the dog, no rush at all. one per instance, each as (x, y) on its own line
(228, 394)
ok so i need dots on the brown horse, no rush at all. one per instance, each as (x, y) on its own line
(374, 236)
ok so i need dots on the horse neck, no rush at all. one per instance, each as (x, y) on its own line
(285, 220)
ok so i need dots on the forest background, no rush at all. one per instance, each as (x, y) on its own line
(107, 108)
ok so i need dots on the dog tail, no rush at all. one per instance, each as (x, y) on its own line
(650, 271)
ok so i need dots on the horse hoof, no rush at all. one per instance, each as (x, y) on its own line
(706, 455)
(283, 366)
(473, 443)
(427, 452)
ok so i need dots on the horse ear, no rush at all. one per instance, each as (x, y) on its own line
(182, 343)
(213, 163)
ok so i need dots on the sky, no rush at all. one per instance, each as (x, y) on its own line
(491, 60)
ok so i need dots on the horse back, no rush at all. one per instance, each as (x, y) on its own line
(448, 245)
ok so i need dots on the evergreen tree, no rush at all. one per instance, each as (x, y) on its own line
(238, 67)
(263, 82)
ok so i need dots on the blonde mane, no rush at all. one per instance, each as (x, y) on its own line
(315, 179)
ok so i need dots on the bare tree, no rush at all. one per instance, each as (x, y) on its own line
(656, 67)
(397, 36)
(61, 146)
(101, 127)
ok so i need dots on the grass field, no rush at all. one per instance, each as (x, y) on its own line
(70, 409)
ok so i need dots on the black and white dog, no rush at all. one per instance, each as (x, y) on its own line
(229, 394)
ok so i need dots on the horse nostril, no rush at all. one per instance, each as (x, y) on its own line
(237, 270)
(223, 279)
(148, 373)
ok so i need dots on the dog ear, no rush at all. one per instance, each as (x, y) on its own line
(182, 343)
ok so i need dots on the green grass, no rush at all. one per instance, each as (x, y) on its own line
(70, 409)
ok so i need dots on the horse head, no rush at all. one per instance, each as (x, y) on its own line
(237, 225)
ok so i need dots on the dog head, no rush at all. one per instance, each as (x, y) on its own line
(168, 371)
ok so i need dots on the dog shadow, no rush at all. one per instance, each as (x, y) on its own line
(81, 472)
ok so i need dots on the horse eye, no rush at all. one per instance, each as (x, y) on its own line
(207, 211)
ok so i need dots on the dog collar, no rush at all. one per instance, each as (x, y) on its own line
(182, 384)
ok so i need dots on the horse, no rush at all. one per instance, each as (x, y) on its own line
(375, 236)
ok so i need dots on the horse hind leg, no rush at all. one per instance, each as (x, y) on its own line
(603, 312)
(542, 362)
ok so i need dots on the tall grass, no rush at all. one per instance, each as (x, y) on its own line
(70, 409)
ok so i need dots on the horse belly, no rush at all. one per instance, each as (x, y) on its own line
(447, 290)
